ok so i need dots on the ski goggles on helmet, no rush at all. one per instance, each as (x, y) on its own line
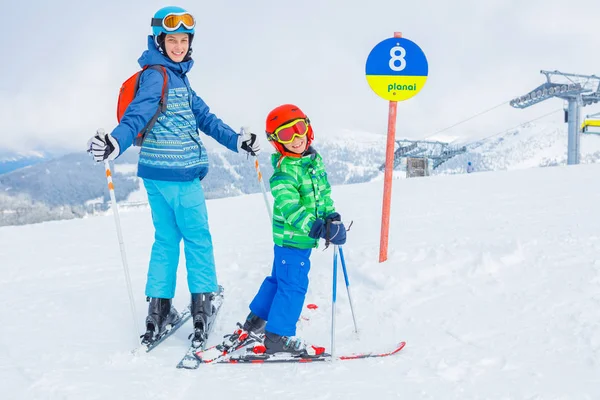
(173, 21)
(286, 133)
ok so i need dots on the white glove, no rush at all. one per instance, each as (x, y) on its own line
(103, 146)
(248, 142)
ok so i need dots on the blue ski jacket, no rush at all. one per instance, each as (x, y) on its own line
(172, 150)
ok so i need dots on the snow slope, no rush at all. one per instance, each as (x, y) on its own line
(493, 279)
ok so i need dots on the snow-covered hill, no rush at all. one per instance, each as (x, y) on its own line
(493, 279)
(529, 146)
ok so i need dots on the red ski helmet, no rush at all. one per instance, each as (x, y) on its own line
(282, 115)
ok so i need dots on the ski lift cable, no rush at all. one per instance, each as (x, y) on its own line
(468, 119)
(479, 141)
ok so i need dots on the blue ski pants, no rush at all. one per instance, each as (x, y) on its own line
(281, 296)
(179, 212)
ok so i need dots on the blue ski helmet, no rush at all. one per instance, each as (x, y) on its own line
(172, 20)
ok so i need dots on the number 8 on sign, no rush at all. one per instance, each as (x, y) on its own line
(396, 69)
(397, 57)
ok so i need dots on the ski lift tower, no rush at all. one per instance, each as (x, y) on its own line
(578, 90)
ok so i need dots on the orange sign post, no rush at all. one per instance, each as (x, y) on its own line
(396, 70)
(387, 180)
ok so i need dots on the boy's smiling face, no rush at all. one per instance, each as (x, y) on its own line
(298, 145)
(177, 46)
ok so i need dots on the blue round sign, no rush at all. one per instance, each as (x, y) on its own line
(396, 69)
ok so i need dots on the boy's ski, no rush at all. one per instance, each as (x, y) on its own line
(238, 340)
(251, 358)
(219, 351)
(183, 317)
(189, 360)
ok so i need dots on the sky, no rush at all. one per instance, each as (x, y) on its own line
(62, 67)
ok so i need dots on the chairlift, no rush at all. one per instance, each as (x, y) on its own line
(590, 125)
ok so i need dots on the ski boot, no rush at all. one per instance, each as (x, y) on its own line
(253, 331)
(292, 346)
(254, 324)
(202, 315)
(161, 318)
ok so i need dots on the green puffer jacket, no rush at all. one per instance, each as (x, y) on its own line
(302, 194)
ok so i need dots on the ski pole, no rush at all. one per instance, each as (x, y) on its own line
(333, 301)
(263, 188)
(339, 248)
(260, 178)
(111, 189)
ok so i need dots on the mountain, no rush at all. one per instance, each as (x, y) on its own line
(531, 145)
(492, 281)
(10, 161)
(72, 185)
(59, 188)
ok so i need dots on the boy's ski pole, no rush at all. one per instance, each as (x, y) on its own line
(333, 301)
(111, 189)
(339, 248)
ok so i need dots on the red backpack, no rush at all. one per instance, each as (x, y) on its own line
(127, 93)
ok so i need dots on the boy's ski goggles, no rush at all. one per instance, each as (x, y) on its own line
(172, 22)
(286, 133)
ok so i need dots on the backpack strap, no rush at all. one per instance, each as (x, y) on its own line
(162, 104)
(164, 92)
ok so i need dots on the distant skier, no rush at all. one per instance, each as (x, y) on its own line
(469, 167)
(172, 163)
(303, 212)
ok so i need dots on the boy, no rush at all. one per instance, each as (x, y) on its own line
(303, 212)
(172, 163)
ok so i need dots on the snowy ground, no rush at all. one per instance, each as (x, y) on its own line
(493, 280)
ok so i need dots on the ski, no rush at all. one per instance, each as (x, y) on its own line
(214, 353)
(189, 360)
(183, 317)
(239, 340)
(282, 358)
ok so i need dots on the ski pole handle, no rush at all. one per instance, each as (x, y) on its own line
(259, 175)
(244, 132)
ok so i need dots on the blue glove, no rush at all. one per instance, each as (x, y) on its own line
(332, 229)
